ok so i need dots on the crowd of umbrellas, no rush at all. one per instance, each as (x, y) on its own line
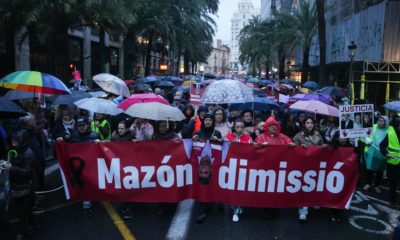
(235, 93)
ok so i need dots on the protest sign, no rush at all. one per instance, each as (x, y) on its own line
(356, 120)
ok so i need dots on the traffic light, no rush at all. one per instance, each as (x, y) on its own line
(71, 66)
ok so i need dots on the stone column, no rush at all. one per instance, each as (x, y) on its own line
(87, 57)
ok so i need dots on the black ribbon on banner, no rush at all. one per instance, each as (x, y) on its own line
(76, 172)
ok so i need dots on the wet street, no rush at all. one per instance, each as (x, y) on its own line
(370, 217)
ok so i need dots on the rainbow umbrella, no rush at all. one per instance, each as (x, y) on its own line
(32, 81)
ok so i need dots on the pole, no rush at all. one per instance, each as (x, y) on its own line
(362, 90)
(352, 80)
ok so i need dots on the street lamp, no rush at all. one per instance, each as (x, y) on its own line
(352, 48)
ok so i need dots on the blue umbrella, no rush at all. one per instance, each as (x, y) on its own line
(266, 81)
(9, 109)
(333, 91)
(289, 82)
(150, 79)
(165, 84)
(173, 79)
(313, 96)
(311, 85)
(258, 104)
(393, 106)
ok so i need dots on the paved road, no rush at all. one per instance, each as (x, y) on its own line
(369, 218)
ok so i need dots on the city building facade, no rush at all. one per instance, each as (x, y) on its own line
(240, 18)
(218, 61)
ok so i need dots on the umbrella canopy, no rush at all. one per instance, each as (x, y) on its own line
(8, 109)
(128, 82)
(165, 84)
(316, 107)
(209, 76)
(155, 111)
(173, 79)
(111, 84)
(32, 81)
(150, 79)
(266, 81)
(188, 83)
(227, 91)
(141, 87)
(258, 104)
(259, 92)
(311, 85)
(393, 106)
(141, 98)
(69, 99)
(253, 80)
(98, 94)
(17, 95)
(333, 91)
(289, 82)
(313, 96)
(98, 105)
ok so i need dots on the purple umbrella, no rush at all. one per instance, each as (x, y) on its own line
(316, 107)
(313, 96)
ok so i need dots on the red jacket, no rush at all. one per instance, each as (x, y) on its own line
(242, 139)
(277, 138)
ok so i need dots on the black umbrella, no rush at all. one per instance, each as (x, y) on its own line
(141, 87)
(69, 99)
(8, 109)
(165, 84)
(17, 95)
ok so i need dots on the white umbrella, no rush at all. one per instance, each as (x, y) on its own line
(98, 105)
(111, 84)
(227, 91)
(155, 111)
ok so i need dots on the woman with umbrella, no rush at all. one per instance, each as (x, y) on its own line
(307, 137)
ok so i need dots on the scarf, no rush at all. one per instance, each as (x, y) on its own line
(68, 126)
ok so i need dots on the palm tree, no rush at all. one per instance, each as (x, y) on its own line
(305, 23)
(322, 42)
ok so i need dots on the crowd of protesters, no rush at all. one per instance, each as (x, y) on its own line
(28, 139)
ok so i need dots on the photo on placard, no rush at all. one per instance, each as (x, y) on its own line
(357, 120)
(367, 120)
(347, 121)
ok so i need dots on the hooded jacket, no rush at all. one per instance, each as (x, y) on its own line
(276, 138)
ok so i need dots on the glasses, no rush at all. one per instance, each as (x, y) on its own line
(219, 114)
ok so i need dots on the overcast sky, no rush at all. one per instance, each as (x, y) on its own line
(223, 20)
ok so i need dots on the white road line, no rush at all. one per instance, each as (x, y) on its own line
(180, 223)
(47, 172)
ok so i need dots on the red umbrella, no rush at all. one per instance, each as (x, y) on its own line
(141, 98)
(130, 81)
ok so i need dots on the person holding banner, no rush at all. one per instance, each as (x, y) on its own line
(238, 135)
(307, 137)
(374, 160)
(101, 126)
(272, 134)
(85, 134)
(207, 131)
(247, 117)
(221, 124)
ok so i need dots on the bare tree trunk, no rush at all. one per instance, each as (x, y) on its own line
(178, 65)
(281, 54)
(305, 66)
(322, 42)
(149, 48)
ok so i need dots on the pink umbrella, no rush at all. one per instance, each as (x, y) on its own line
(316, 107)
(141, 98)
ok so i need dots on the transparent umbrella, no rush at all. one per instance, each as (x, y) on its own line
(227, 91)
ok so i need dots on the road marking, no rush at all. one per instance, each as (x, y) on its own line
(123, 229)
(180, 223)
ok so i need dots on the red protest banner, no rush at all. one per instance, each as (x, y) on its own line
(236, 174)
(196, 93)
